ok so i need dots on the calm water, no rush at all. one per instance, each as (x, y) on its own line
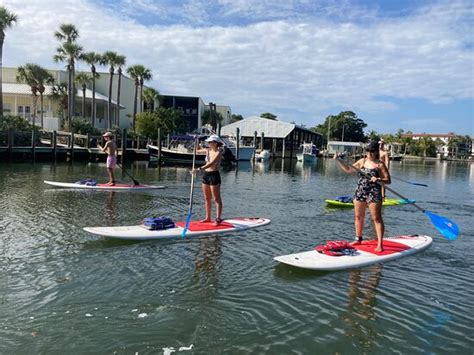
(62, 290)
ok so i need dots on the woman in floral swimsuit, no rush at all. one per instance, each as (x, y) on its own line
(369, 192)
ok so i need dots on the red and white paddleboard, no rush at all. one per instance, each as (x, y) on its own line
(195, 229)
(116, 187)
(362, 255)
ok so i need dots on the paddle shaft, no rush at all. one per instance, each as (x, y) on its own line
(380, 183)
(191, 195)
(408, 182)
(192, 178)
(130, 176)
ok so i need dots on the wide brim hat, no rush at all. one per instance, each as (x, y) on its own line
(107, 134)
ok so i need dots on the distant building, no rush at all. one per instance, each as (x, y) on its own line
(350, 148)
(443, 150)
(292, 134)
(17, 99)
(191, 109)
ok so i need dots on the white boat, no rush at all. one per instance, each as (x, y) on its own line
(246, 152)
(309, 153)
(263, 155)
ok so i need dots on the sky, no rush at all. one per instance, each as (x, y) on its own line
(398, 64)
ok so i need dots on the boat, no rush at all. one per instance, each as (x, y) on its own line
(246, 152)
(309, 153)
(263, 155)
(181, 151)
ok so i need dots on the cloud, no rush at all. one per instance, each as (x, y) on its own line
(280, 62)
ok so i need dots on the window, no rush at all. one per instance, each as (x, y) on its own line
(24, 111)
(7, 108)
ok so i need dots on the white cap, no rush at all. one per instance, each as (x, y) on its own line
(107, 134)
(214, 138)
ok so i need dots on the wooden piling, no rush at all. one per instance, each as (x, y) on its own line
(33, 144)
(72, 145)
(274, 144)
(283, 149)
(10, 142)
(237, 144)
(262, 139)
(54, 143)
(158, 144)
(124, 144)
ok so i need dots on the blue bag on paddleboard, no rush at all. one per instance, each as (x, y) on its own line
(87, 182)
(157, 223)
(344, 199)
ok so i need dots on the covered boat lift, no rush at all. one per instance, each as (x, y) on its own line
(281, 138)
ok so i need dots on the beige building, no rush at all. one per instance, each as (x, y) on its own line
(18, 100)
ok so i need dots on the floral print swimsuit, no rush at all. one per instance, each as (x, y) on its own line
(367, 191)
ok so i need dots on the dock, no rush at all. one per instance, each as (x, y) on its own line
(65, 146)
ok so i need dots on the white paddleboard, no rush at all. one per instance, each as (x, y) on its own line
(195, 229)
(394, 248)
(116, 187)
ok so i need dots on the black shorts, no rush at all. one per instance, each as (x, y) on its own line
(211, 178)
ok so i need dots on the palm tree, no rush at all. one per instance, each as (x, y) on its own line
(145, 75)
(110, 58)
(7, 19)
(150, 95)
(134, 72)
(69, 51)
(60, 94)
(121, 60)
(92, 59)
(83, 79)
(26, 75)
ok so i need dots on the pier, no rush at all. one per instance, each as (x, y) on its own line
(59, 145)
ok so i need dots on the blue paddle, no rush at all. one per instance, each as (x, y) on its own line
(190, 213)
(445, 226)
(408, 182)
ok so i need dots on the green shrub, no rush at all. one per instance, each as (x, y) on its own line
(15, 123)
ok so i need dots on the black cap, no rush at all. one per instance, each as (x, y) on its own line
(372, 146)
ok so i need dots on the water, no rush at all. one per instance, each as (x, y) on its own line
(63, 290)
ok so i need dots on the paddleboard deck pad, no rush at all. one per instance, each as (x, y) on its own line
(116, 187)
(386, 202)
(195, 229)
(362, 254)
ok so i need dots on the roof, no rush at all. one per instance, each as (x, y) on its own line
(24, 89)
(450, 134)
(271, 128)
(347, 144)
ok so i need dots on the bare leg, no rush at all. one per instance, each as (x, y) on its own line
(376, 213)
(110, 173)
(359, 216)
(216, 193)
(206, 190)
(112, 176)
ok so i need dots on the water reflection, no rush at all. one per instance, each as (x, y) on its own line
(206, 262)
(111, 217)
(361, 304)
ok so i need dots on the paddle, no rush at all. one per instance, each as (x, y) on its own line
(190, 213)
(135, 182)
(408, 182)
(446, 227)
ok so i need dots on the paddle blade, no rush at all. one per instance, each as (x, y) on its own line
(186, 225)
(447, 228)
(419, 184)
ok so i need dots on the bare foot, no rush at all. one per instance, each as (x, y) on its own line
(217, 221)
(378, 249)
(357, 241)
(205, 220)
